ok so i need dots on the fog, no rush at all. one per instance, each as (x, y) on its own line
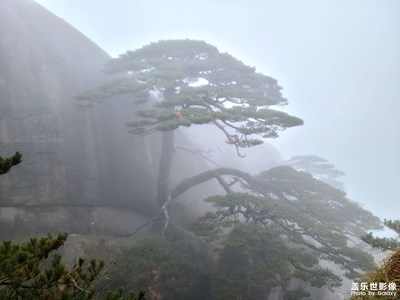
(178, 195)
(337, 61)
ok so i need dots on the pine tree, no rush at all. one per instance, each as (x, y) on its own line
(27, 272)
(387, 244)
(281, 229)
(195, 84)
(389, 269)
(319, 168)
(290, 215)
(7, 162)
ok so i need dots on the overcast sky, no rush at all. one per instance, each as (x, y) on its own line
(338, 62)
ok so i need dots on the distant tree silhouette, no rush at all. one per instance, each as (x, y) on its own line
(385, 243)
(319, 168)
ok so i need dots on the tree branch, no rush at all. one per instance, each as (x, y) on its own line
(230, 137)
(207, 175)
(222, 182)
(198, 152)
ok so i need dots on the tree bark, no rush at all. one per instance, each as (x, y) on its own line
(186, 184)
(164, 171)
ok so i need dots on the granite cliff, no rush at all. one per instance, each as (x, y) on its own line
(71, 157)
(82, 172)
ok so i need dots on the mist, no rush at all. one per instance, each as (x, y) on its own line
(337, 62)
(245, 149)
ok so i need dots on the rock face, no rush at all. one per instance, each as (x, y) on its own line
(77, 163)
(69, 156)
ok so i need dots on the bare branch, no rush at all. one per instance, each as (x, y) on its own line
(230, 137)
(200, 152)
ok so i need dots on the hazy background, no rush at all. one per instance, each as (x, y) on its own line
(337, 61)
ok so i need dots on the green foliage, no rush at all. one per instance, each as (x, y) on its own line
(287, 222)
(23, 277)
(253, 260)
(234, 97)
(385, 243)
(7, 162)
(328, 204)
(394, 225)
(294, 218)
(381, 243)
(319, 168)
(27, 272)
(249, 264)
(161, 267)
(119, 295)
(297, 294)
